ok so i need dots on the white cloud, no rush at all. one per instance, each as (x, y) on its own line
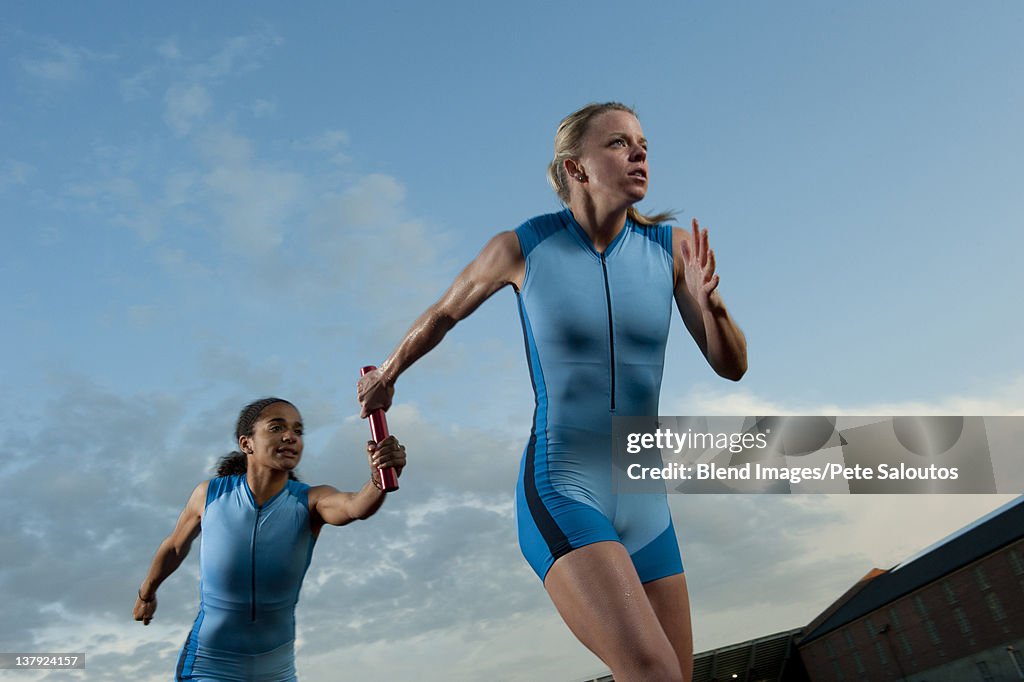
(529, 646)
(59, 62)
(222, 364)
(14, 173)
(328, 143)
(758, 564)
(135, 87)
(814, 546)
(109, 470)
(703, 399)
(331, 140)
(180, 264)
(241, 53)
(440, 579)
(186, 104)
(49, 236)
(256, 202)
(264, 108)
(115, 189)
(437, 571)
(179, 188)
(169, 50)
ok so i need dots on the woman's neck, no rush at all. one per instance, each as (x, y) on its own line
(264, 483)
(601, 224)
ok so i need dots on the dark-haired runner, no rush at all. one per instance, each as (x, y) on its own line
(259, 525)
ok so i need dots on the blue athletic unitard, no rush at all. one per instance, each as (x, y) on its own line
(595, 327)
(252, 563)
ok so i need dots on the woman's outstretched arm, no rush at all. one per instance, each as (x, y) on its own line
(498, 264)
(337, 508)
(171, 552)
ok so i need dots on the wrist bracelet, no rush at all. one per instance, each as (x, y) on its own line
(145, 601)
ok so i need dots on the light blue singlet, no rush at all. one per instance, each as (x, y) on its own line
(595, 327)
(252, 563)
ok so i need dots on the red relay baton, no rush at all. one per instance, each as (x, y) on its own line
(379, 431)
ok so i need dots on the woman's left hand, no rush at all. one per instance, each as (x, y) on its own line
(144, 610)
(699, 269)
(388, 454)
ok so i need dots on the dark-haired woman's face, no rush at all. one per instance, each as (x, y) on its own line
(276, 441)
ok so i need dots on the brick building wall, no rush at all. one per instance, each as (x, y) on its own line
(958, 625)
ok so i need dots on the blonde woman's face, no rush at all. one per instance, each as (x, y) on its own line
(613, 157)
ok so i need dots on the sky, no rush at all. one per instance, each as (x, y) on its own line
(203, 205)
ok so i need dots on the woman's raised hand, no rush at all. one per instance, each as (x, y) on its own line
(699, 268)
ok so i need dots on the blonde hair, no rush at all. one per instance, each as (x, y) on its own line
(567, 146)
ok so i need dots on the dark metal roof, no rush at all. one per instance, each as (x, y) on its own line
(765, 659)
(1001, 528)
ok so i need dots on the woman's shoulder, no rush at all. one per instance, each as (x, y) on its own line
(298, 487)
(220, 485)
(314, 493)
(538, 228)
(197, 500)
(556, 220)
(664, 234)
(202, 488)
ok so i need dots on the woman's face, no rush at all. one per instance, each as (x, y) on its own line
(276, 440)
(613, 158)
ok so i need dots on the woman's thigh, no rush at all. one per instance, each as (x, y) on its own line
(597, 592)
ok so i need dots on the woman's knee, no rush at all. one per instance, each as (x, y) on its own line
(649, 666)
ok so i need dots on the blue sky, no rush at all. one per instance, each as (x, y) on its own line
(206, 205)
